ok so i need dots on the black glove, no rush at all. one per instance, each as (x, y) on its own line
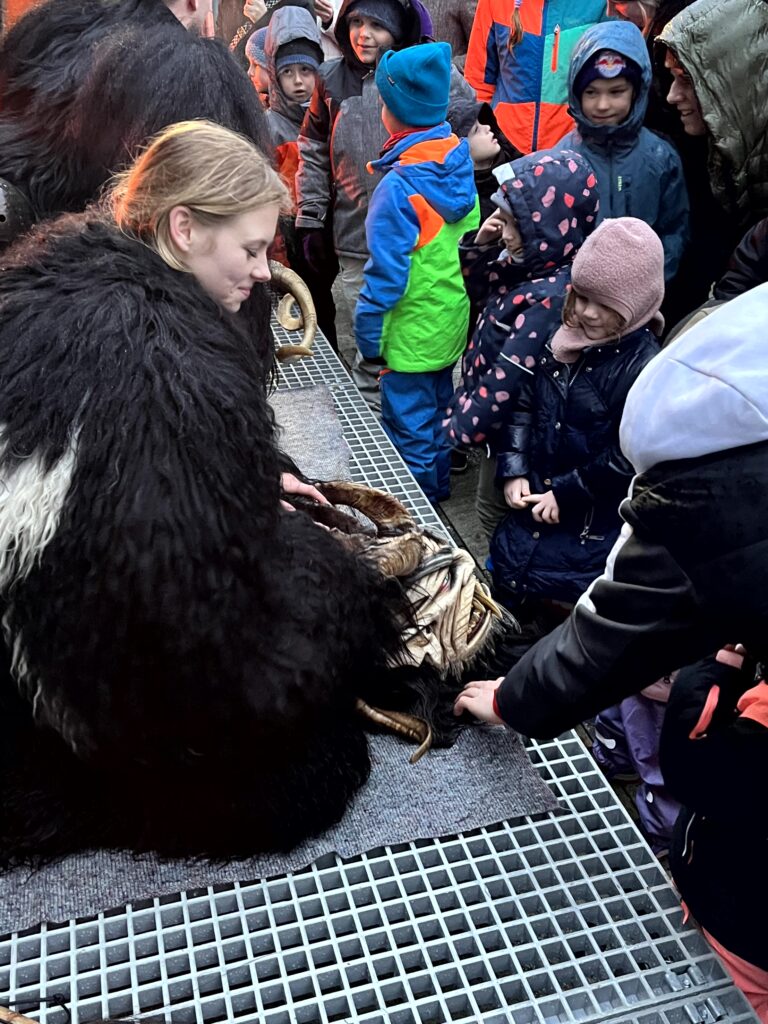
(315, 249)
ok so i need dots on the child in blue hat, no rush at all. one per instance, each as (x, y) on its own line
(639, 174)
(257, 65)
(413, 310)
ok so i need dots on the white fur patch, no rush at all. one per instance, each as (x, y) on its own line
(31, 501)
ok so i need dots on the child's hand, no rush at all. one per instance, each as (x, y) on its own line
(324, 11)
(545, 508)
(490, 230)
(477, 699)
(516, 491)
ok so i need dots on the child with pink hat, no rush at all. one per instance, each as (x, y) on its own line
(564, 474)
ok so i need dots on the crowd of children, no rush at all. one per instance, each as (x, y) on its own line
(504, 239)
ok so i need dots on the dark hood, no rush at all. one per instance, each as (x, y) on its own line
(413, 33)
(625, 38)
(530, 186)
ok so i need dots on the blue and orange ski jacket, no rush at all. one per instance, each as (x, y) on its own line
(413, 308)
(527, 83)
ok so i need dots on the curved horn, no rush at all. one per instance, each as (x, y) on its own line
(388, 515)
(288, 281)
(11, 1017)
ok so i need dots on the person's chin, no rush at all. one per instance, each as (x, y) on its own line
(692, 125)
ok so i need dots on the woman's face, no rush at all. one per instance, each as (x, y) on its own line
(639, 12)
(682, 95)
(227, 259)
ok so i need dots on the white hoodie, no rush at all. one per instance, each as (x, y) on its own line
(707, 392)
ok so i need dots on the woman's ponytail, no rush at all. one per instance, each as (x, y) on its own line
(516, 27)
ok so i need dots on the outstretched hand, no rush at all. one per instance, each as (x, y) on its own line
(324, 11)
(477, 699)
(290, 484)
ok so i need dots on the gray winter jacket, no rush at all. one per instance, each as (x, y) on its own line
(341, 133)
(284, 116)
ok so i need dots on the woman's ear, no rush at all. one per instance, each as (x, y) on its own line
(181, 228)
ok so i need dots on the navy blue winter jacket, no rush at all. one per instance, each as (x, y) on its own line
(639, 174)
(565, 438)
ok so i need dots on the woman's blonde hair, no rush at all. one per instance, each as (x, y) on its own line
(569, 313)
(214, 172)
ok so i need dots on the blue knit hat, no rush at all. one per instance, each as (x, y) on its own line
(254, 48)
(414, 83)
(299, 51)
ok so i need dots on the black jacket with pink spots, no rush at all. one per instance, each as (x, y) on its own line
(554, 199)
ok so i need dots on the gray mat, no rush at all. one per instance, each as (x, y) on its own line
(486, 777)
(310, 432)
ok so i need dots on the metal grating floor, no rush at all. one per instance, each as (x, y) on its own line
(546, 920)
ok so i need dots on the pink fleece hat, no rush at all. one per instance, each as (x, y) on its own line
(621, 266)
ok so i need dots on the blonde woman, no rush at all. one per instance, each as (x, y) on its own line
(183, 652)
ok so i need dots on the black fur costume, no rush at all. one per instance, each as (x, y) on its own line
(84, 85)
(197, 647)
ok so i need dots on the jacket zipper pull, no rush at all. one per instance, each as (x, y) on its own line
(555, 48)
(584, 536)
(619, 183)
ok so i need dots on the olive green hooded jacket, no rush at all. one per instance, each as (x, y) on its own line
(723, 45)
